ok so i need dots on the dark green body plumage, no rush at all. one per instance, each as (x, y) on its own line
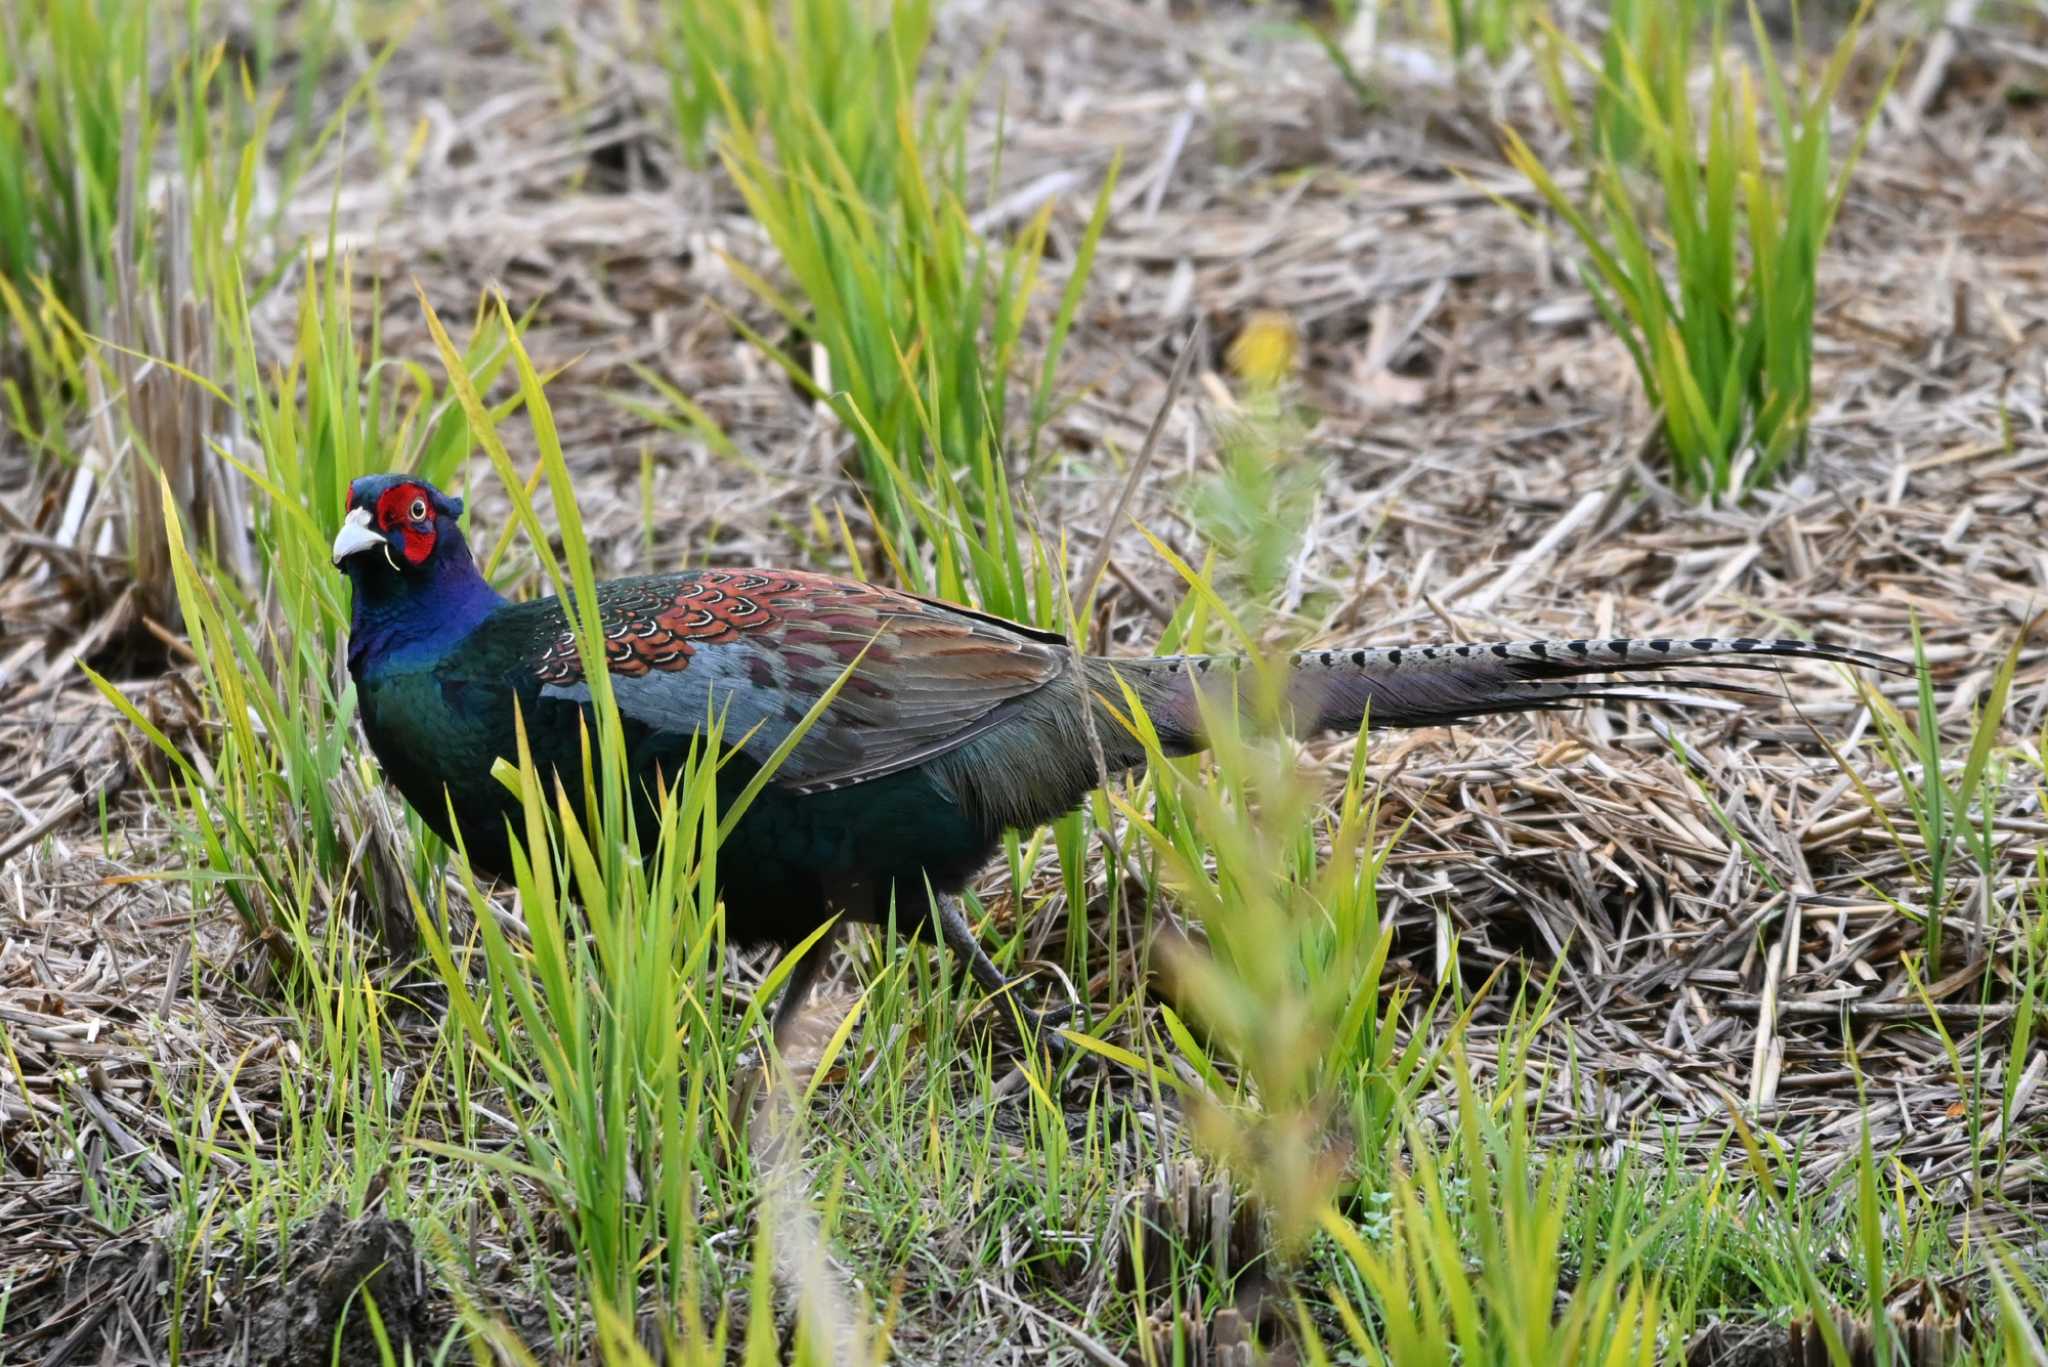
(792, 854)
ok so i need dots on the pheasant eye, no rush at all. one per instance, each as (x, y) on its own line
(419, 510)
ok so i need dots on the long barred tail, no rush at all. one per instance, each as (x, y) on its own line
(1436, 685)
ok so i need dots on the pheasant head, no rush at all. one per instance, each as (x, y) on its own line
(402, 548)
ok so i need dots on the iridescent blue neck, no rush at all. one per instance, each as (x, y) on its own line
(418, 616)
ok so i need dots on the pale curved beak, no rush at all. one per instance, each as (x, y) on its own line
(356, 535)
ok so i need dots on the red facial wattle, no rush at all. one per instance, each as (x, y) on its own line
(408, 510)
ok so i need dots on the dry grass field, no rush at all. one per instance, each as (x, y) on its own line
(1702, 1035)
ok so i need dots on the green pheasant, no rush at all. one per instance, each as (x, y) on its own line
(953, 727)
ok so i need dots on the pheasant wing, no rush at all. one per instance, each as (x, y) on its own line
(761, 647)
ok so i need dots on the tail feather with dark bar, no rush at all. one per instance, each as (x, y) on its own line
(1439, 685)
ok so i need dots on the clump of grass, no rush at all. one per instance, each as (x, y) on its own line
(1949, 807)
(78, 124)
(1288, 993)
(1706, 265)
(731, 63)
(613, 947)
(126, 261)
(1475, 1263)
(94, 94)
(1285, 1048)
(911, 323)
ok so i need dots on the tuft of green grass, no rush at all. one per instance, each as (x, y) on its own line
(908, 324)
(1948, 805)
(1474, 1262)
(593, 1023)
(76, 132)
(143, 176)
(731, 64)
(1705, 264)
(79, 122)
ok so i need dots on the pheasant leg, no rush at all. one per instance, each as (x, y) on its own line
(796, 989)
(1041, 1025)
